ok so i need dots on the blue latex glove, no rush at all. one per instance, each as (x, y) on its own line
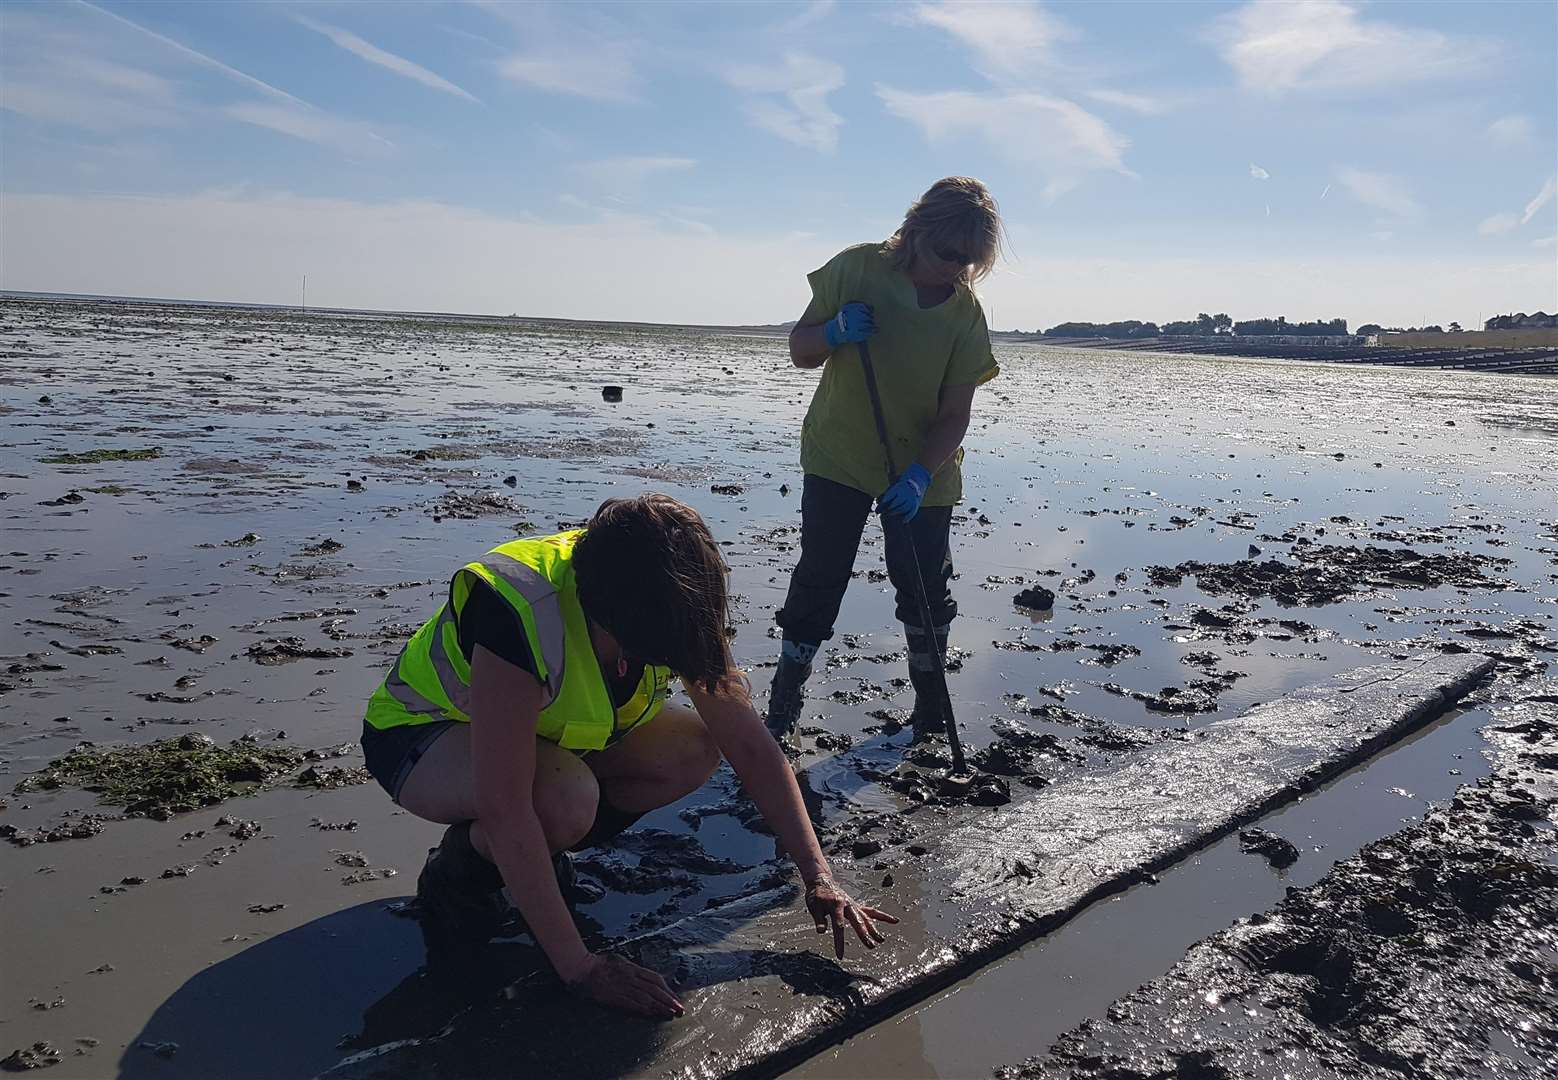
(854, 323)
(903, 498)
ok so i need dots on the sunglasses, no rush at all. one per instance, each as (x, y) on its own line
(952, 255)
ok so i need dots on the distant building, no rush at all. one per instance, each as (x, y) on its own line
(1521, 321)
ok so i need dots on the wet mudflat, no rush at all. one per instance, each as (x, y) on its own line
(1428, 954)
(314, 480)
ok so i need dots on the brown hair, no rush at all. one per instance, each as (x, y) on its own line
(957, 212)
(650, 573)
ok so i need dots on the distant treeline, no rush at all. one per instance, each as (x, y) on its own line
(1203, 325)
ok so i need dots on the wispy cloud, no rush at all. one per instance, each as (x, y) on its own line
(1137, 103)
(374, 55)
(1059, 136)
(809, 16)
(790, 99)
(283, 113)
(87, 92)
(602, 71)
(313, 125)
(1259, 173)
(1498, 224)
(201, 58)
(1275, 46)
(1512, 131)
(1380, 191)
(1508, 221)
(630, 171)
(1008, 39)
(1541, 199)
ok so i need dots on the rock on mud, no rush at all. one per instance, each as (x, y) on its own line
(1269, 846)
(1035, 598)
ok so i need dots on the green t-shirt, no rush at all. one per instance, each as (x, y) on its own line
(915, 351)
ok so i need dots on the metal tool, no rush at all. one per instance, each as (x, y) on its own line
(959, 766)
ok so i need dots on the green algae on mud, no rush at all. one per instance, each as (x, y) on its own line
(93, 457)
(179, 775)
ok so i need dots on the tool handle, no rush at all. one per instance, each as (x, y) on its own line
(954, 743)
(876, 411)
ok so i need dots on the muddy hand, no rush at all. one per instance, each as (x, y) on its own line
(831, 906)
(618, 983)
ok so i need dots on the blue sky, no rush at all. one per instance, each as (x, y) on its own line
(690, 162)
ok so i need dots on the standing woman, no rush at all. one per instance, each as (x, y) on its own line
(912, 297)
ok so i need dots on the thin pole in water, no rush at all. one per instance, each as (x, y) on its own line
(305, 292)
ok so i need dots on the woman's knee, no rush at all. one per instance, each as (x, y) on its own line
(700, 753)
(566, 796)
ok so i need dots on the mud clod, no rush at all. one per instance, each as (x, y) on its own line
(1035, 598)
(40, 1055)
(273, 651)
(1269, 846)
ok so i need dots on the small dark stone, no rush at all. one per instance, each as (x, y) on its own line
(1269, 846)
(1035, 598)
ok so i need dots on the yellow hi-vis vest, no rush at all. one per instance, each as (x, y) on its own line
(431, 679)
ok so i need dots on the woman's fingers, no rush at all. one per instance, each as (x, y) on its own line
(880, 916)
(869, 937)
(838, 929)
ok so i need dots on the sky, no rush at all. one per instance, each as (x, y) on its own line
(691, 162)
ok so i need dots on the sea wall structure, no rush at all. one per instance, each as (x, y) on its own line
(761, 992)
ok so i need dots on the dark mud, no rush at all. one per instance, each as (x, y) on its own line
(972, 886)
(1328, 574)
(1429, 955)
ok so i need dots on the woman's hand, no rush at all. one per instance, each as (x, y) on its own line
(830, 904)
(854, 323)
(618, 983)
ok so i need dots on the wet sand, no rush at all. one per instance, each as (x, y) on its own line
(278, 438)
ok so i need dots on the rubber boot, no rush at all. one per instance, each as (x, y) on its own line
(787, 696)
(929, 716)
(460, 893)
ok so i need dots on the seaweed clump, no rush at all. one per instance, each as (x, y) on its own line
(168, 776)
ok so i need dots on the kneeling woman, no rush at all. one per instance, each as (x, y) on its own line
(529, 715)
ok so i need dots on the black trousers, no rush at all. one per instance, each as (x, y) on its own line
(833, 516)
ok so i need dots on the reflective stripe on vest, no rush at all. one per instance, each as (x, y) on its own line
(431, 678)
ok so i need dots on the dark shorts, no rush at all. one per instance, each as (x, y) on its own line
(391, 753)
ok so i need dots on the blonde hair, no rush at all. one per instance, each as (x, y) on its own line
(957, 212)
